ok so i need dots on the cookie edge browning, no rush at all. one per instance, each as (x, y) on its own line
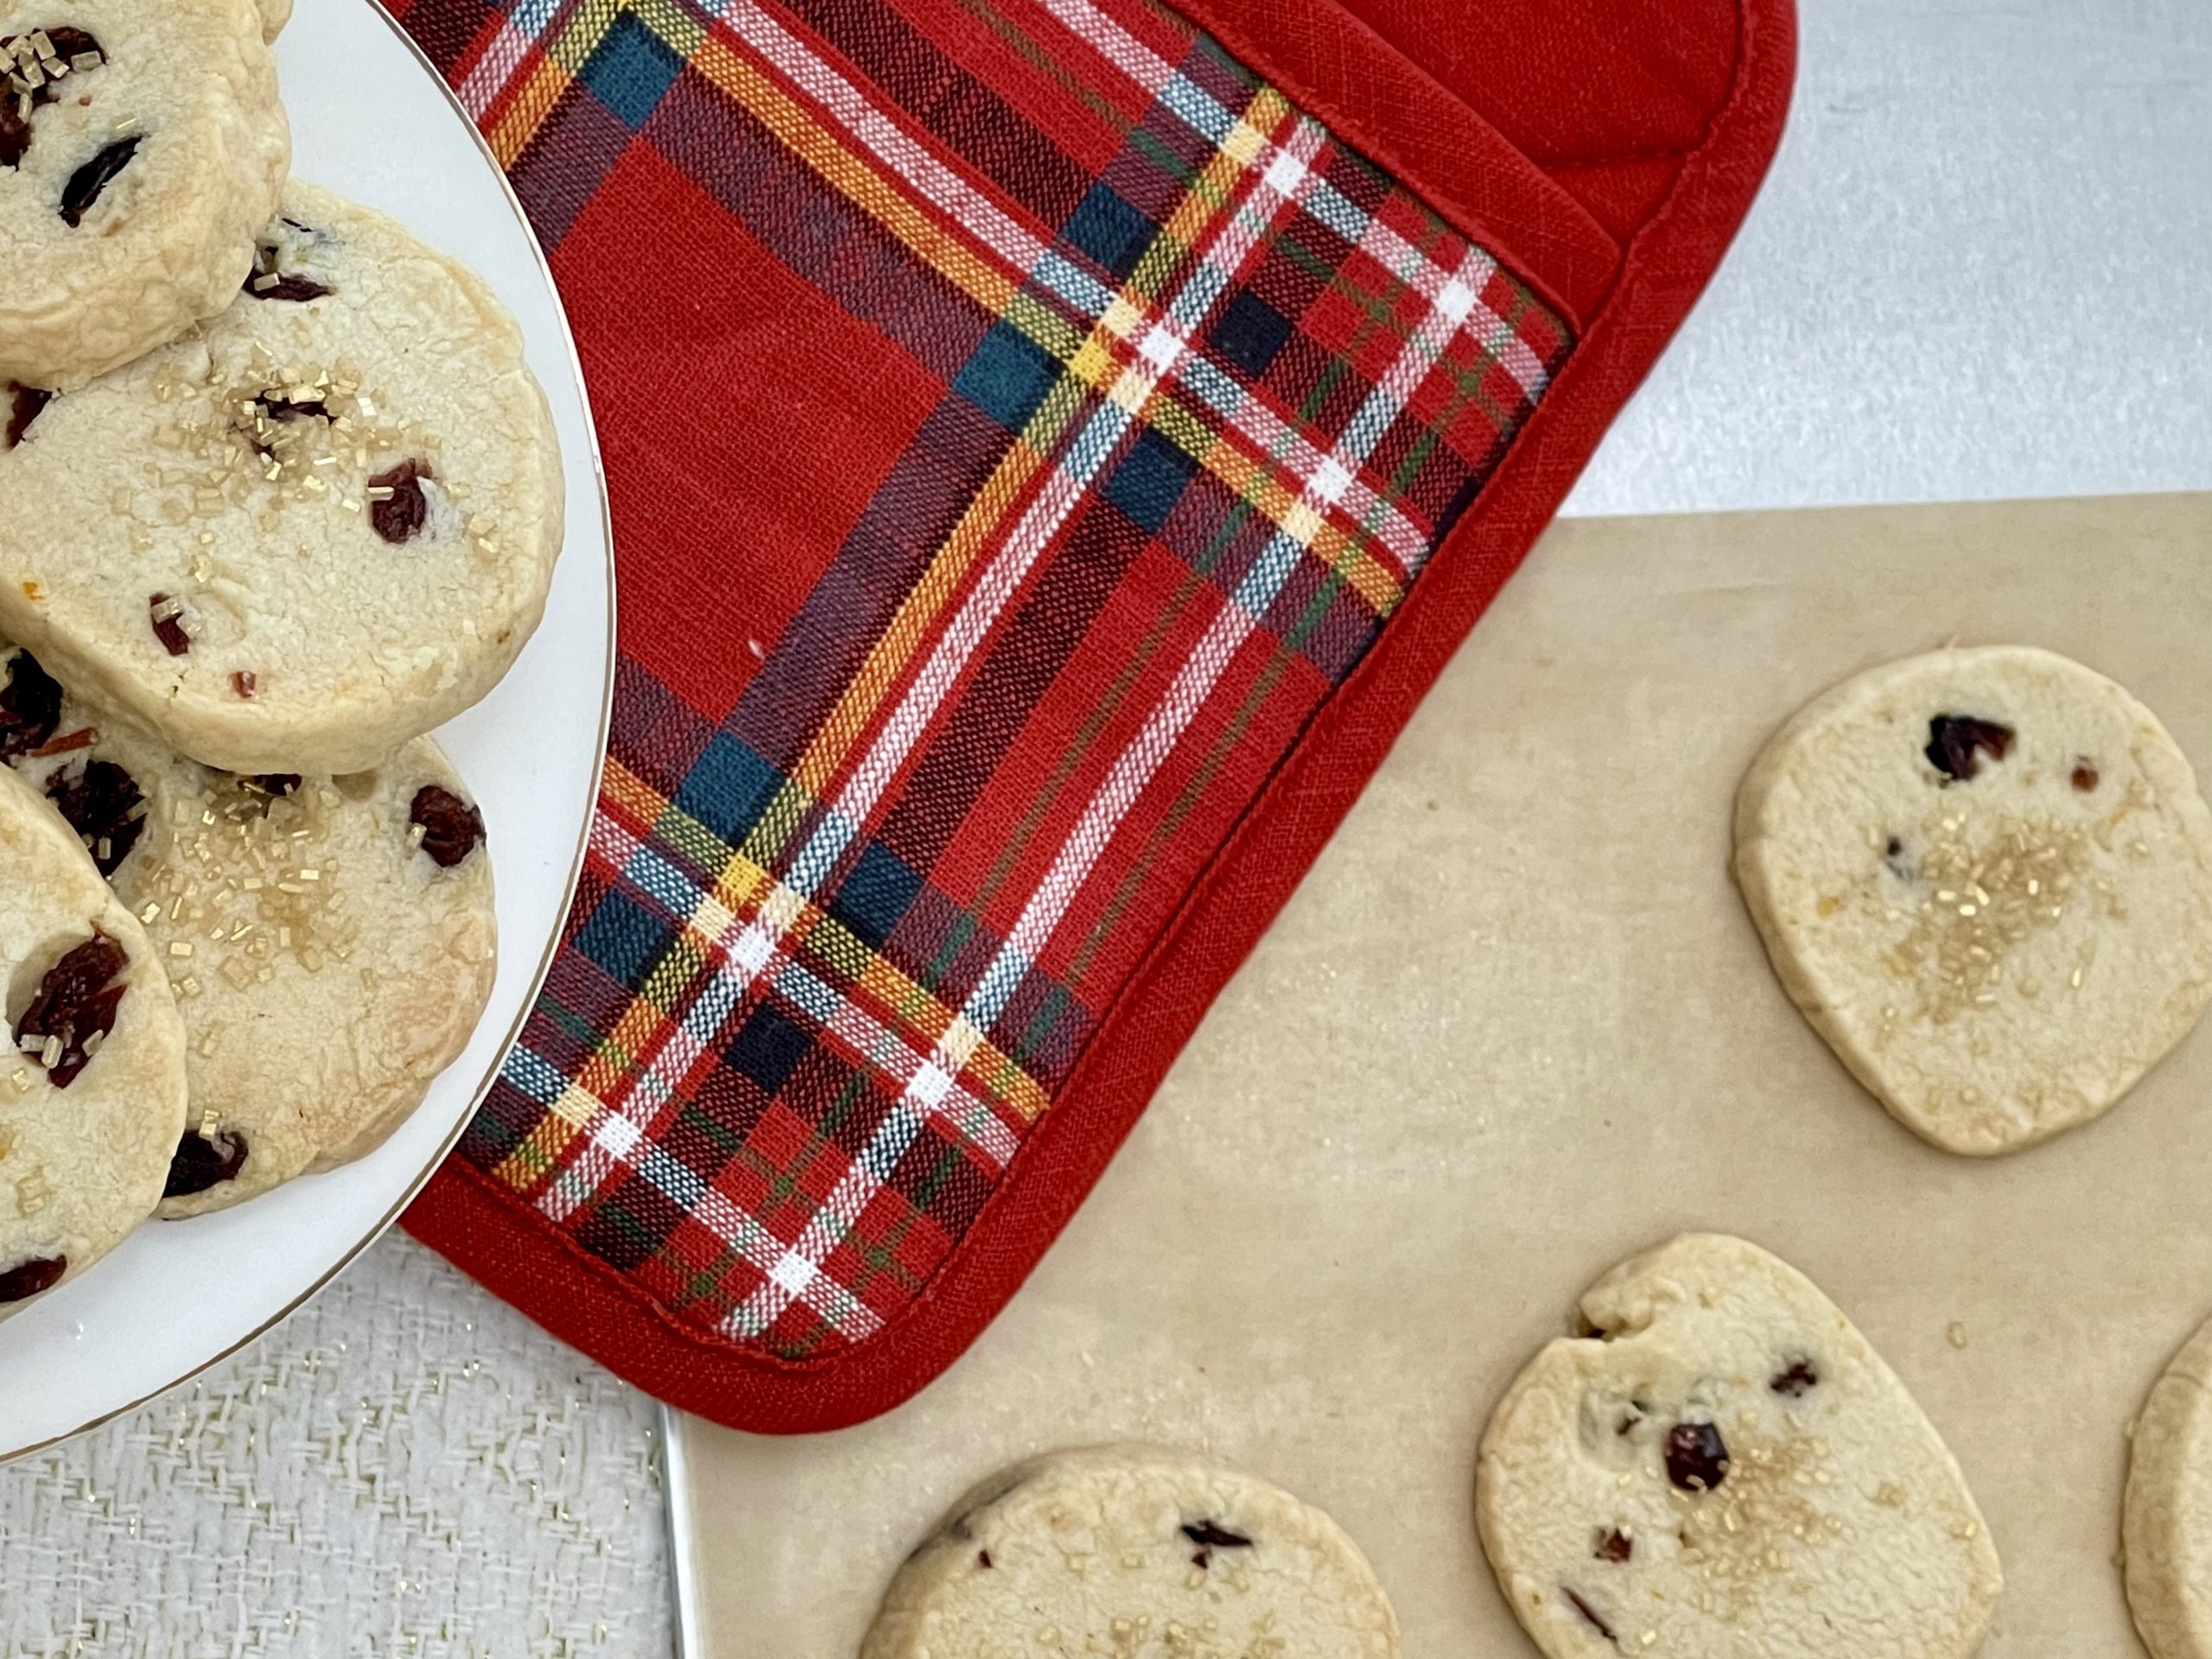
(899, 1626)
(467, 1009)
(2173, 1622)
(63, 351)
(1638, 1288)
(2154, 751)
(148, 1002)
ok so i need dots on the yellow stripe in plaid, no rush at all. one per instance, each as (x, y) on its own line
(1083, 354)
(1090, 368)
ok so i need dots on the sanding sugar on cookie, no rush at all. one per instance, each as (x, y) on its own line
(1984, 876)
(319, 525)
(331, 941)
(1724, 1466)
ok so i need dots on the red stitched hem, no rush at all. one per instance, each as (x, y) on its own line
(473, 1221)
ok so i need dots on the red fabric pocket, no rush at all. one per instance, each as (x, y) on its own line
(1052, 444)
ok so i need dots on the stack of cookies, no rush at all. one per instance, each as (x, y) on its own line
(277, 496)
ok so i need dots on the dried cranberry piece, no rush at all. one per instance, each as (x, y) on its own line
(1954, 738)
(202, 1162)
(168, 625)
(452, 829)
(30, 708)
(25, 405)
(983, 1558)
(26, 1279)
(76, 1000)
(87, 181)
(288, 286)
(1799, 1376)
(83, 738)
(68, 43)
(71, 42)
(400, 515)
(105, 806)
(1213, 1536)
(243, 682)
(1697, 1458)
(1597, 1620)
(277, 407)
(15, 132)
(1614, 1545)
(2084, 777)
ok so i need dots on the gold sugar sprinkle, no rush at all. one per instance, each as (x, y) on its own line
(1986, 898)
(1956, 1334)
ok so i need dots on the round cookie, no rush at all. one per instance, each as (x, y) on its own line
(1138, 1551)
(141, 147)
(2166, 1531)
(330, 941)
(320, 525)
(92, 1095)
(1724, 1466)
(1985, 878)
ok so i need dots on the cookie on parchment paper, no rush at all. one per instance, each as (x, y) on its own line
(330, 940)
(92, 1088)
(2166, 1529)
(320, 525)
(1135, 1549)
(1726, 1465)
(141, 148)
(1985, 877)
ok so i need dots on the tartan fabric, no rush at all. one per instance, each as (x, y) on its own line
(1158, 396)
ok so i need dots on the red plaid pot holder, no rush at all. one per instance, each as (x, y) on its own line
(1052, 444)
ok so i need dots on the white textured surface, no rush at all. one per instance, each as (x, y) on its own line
(1982, 267)
(406, 1467)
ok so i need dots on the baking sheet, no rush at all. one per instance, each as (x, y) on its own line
(1515, 1025)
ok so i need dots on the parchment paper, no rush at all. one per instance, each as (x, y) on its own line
(1515, 1025)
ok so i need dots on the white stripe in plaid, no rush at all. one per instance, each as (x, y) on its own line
(1269, 189)
(1132, 770)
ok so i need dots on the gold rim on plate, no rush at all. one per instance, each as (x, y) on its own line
(577, 863)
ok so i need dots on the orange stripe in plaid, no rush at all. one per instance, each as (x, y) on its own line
(1092, 367)
(931, 240)
(910, 1008)
(1377, 582)
(532, 103)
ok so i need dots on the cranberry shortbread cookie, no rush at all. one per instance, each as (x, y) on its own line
(2167, 1532)
(1139, 1550)
(316, 527)
(330, 941)
(1985, 877)
(141, 148)
(92, 1093)
(1725, 1466)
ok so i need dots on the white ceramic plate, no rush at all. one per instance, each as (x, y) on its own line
(370, 119)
